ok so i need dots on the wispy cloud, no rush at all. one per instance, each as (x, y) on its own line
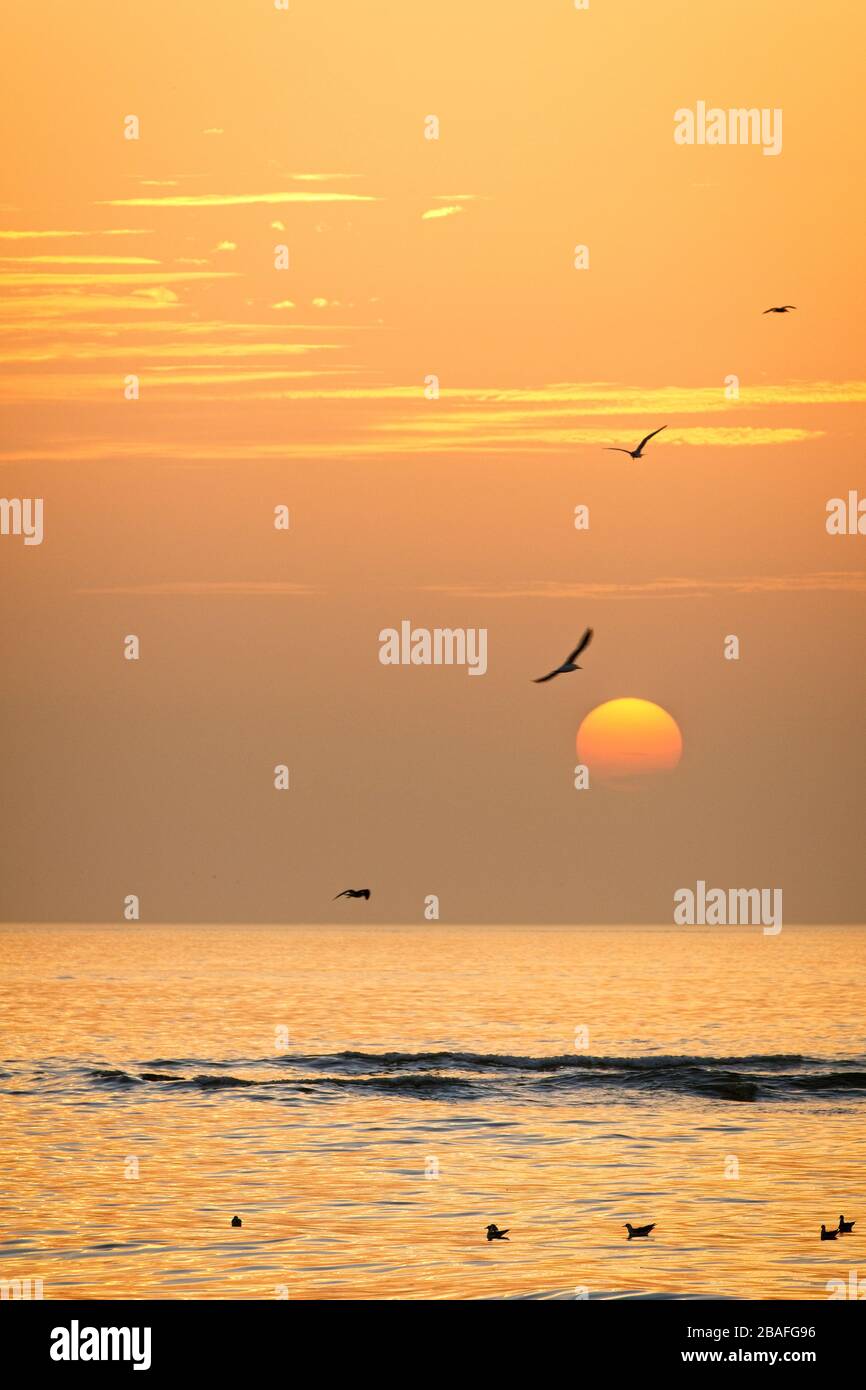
(321, 178)
(61, 259)
(94, 352)
(447, 211)
(392, 420)
(7, 235)
(231, 588)
(219, 200)
(55, 306)
(205, 328)
(517, 434)
(457, 410)
(24, 280)
(823, 581)
(614, 398)
(196, 451)
(57, 386)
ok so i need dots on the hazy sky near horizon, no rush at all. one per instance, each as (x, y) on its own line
(411, 257)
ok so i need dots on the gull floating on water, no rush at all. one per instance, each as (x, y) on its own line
(494, 1233)
(236, 1221)
(845, 1227)
(639, 1230)
(828, 1235)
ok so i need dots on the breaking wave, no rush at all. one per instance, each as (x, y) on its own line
(474, 1075)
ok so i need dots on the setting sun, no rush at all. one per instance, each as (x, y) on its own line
(628, 738)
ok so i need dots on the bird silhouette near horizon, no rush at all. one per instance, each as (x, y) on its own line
(352, 893)
(494, 1233)
(638, 1230)
(828, 1235)
(780, 308)
(845, 1227)
(570, 662)
(638, 452)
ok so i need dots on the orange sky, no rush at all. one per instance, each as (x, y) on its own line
(409, 258)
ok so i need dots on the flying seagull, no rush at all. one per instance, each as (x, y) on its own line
(570, 662)
(494, 1233)
(780, 308)
(845, 1227)
(352, 893)
(638, 1230)
(638, 452)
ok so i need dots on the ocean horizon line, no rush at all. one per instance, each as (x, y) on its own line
(705, 929)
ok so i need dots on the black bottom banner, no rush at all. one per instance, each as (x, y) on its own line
(159, 1338)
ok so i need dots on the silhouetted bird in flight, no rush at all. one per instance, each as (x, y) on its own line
(638, 452)
(494, 1233)
(236, 1221)
(780, 308)
(352, 893)
(845, 1226)
(570, 662)
(638, 1230)
(828, 1235)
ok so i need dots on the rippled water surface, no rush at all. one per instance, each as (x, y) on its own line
(369, 1100)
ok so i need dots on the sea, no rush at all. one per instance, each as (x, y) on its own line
(368, 1100)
